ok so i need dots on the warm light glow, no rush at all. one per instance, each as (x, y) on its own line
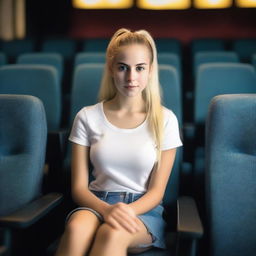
(212, 4)
(163, 4)
(246, 3)
(102, 4)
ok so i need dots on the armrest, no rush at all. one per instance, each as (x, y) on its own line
(189, 223)
(32, 212)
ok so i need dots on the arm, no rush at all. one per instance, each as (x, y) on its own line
(80, 179)
(157, 184)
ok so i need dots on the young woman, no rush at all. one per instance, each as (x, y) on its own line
(131, 141)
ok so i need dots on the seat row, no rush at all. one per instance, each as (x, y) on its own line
(230, 187)
(68, 47)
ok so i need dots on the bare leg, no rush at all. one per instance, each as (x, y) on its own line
(110, 241)
(79, 234)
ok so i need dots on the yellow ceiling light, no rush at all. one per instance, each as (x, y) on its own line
(163, 4)
(212, 4)
(246, 3)
(102, 4)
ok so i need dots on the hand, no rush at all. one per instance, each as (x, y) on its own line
(121, 215)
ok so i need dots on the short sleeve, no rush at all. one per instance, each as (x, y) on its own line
(79, 131)
(171, 136)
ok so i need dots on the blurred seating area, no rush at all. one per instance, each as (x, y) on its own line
(65, 74)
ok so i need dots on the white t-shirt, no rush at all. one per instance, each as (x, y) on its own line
(122, 158)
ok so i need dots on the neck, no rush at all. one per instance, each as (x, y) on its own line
(133, 104)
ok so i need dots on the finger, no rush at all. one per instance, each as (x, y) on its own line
(126, 221)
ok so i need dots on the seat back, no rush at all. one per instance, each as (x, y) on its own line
(221, 78)
(168, 45)
(3, 59)
(171, 97)
(207, 44)
(212, 57)
(64, 46)
(39, 81)
(230, 182)
(245, 48)
(95, 44)
(85, 86)
(171, 59)
(22, 150)
(89, 57)
(53, 59)
(14, 48)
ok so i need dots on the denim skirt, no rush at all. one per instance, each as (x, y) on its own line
(153, 219)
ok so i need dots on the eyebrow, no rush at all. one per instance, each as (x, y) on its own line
(139, 64)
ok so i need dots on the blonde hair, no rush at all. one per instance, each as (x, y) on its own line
(151, 94)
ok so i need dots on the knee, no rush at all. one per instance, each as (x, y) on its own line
(108, 234)
(73, 226)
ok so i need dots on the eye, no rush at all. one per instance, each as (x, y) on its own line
(140, 68)
(122, 68)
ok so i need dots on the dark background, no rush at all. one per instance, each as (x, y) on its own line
(58, 17)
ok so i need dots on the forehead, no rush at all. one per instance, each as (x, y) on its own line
(134, 53)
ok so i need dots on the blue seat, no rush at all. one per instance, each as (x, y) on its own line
(65, 46)
(169, 45)
(95, 44)
(3, 59)
(53, 59)
(245, 48)
(207, 44)
(230, 176)
(212, 57)
(22, 202)
(214, 79)
(253, 60)
(14, 48)
(89, 57)
(39, 81)
(173, 60)
(42, 82)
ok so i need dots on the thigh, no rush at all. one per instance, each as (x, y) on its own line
(140, 241)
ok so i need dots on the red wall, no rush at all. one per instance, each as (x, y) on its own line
(184, 25)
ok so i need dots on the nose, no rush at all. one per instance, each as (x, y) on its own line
(131, 75)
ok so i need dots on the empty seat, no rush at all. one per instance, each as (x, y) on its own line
(64, 46)
(214, 79)
(95, 44)
(39, 81)
(3, 59)
(171, 59)
(169, 45)
(213, 56)
(245, 48)
(52, 59)
(14, 48)
(230, 176)
(22, 202)
(207, 44)
(89, 57)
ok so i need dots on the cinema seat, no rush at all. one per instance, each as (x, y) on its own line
(52, 59)
(213, 57)
(23, 136)
(215, 79)
(3, 59)
(230, 185)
